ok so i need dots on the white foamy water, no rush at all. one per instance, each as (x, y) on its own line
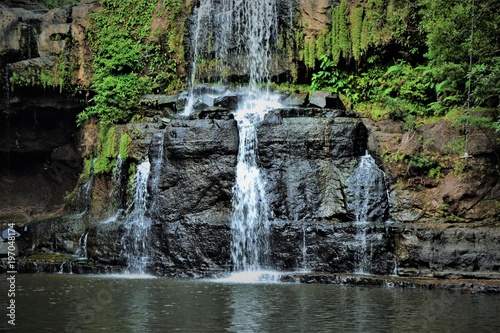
(250, 220)
(137, 226)
(242, 35)
(264, 276)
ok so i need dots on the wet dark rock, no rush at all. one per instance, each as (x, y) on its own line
(41, 159)
(463, 285)
(216, 113)
(197, 249)
(307, 156)
(366, 192)
(228, 101)
(300, 99)
(198, 171)
(66, 154)
(203, 89)
(325, 99)
(160, 101)
(325, 247)
(306, 161)
(448, 251)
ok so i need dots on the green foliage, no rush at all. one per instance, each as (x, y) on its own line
(329, 77)
(436, 172)
(359, 29)
(107, 150)
(483, 122)
(59, 77)
(429, 74)
(130, 58)
(132, 171)
(341, 44)
(116, 97)
(88, 165)
(448, 27)
(420, 164)
(486, 83)
(125, 141)
(456, 146)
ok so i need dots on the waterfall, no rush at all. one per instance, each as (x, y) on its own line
(120, 184)
(244, 35)
(252, 27)
(250, 220)
(156, 167)
(304, 249)
(81, 252)
(202, 18)
(242, 40)
(135, 240)
(368, 201)
(137, 225)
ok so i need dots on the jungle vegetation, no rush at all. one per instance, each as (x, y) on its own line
(406, 59)
(403, 59)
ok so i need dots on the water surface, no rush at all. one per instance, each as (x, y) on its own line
(76, 303)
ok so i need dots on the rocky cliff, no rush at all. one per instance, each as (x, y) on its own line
(443, 216)
(41, 53)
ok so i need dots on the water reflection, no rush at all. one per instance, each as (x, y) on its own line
(73, 303)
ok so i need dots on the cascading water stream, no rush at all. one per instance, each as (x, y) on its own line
(135, 240)
(202, 20)
(250, 221)
(367, 187)
(137, 225)
(84, 195)
(156, 167)
(304, 249)
(7, 128)
(259, 31)
(81, 252)
(244, 35)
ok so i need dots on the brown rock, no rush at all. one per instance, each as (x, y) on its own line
(315, 15)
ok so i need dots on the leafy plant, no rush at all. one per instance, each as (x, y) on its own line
(330, 78)
(130, 59)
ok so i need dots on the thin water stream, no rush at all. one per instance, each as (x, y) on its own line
(135, 247)
(367, 187)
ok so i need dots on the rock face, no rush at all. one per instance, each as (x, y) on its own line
(448, 251)
(434, 181)
(306, 161)
(198, 171)
(34, 38)
(315, 15)
(40, 154)
(39, 138)
(308, 156)
(305, 155)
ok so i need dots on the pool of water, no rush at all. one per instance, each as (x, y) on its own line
(77, 303)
